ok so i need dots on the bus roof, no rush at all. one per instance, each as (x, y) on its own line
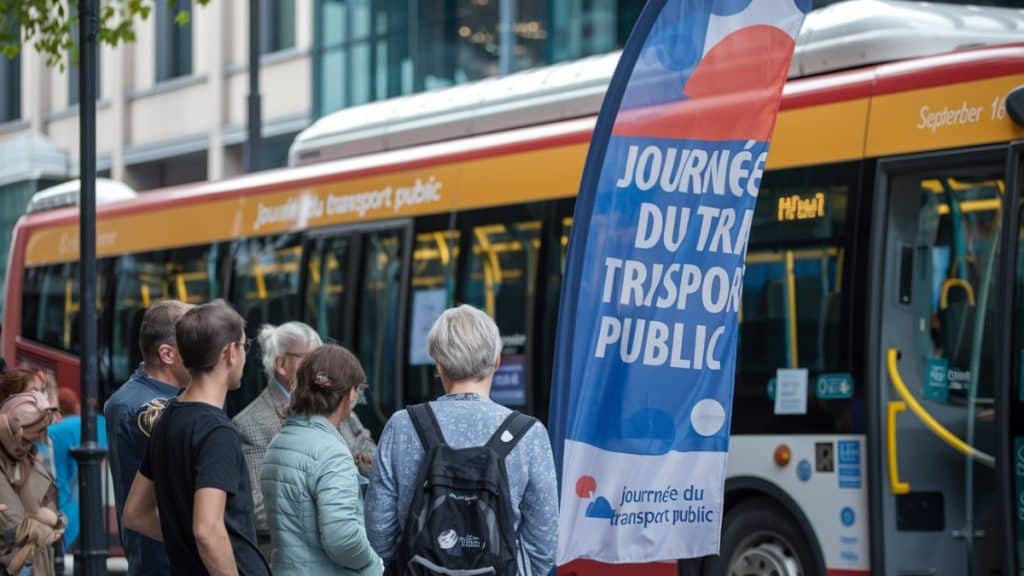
(823, 119)
(67, 194)
(847, 35)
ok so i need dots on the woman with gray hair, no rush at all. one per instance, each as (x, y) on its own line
(466, 347)
(284, 348)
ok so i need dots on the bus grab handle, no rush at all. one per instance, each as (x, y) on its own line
(898, 488)
(938, 429)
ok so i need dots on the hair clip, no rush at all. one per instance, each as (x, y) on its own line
(322, 381)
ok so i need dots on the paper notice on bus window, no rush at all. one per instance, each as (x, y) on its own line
(427, 306)
(791, 391)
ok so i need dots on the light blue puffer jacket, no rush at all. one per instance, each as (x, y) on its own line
(313, 503)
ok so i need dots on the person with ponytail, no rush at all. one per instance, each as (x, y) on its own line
(282, 349)
(310, 484)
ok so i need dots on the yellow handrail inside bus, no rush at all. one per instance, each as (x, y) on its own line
(182, 288)
(442, 247)
(794, 357)
(969, 260)
(898, 488)
(938, 429)
(970, 206)
(944, 294)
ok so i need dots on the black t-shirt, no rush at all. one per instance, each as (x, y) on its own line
(193, 446)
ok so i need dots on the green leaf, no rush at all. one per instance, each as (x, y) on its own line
(48, 25)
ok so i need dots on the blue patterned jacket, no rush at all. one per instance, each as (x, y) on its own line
(466, 420)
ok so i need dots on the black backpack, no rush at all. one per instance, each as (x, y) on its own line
(460, 520)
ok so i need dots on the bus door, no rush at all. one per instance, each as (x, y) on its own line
(499, 260)
(1011, 374)
(354, 294)
(937, 248)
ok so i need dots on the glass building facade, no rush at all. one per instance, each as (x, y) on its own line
(366, 50)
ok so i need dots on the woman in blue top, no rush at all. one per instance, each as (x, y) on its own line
(310, 485)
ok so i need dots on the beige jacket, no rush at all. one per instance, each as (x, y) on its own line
(39, 491)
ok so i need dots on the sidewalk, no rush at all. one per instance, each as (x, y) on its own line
(117, 565)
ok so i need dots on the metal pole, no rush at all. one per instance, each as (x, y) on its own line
(507, 45)
(90, 559)
(252, 149)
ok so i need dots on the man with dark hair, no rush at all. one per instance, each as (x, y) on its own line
(130, 413)
(193, 490)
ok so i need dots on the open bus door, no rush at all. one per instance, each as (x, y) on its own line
(937, 311)
(1010, 419)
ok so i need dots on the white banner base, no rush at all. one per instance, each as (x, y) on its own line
(627, 508)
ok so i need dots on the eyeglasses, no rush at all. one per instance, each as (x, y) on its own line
(295, 355)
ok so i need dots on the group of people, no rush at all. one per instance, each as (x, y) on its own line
(294, 484)
(39, 426)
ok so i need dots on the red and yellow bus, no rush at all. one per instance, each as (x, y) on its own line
(882, 263)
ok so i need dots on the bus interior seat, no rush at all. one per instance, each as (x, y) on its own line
(956, 321)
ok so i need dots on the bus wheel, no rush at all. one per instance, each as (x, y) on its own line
(759, 539)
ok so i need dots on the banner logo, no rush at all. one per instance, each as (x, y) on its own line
(598, 506)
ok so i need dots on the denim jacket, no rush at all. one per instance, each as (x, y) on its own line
(131, 412)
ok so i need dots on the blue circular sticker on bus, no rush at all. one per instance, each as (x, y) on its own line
(803, 470)
(848, 517)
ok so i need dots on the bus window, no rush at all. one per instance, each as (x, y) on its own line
(264, 290)
(957, 239)
(379, 323)
(50, 309)
(327, 288)
(434, 261)
(266, 281)
(44, 304)
(50, 304)
(791, 314)
(556, 239)
(501, 280)
(188, 274)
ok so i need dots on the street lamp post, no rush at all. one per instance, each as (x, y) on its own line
(252, 152)
(506, 35)
(90, 560)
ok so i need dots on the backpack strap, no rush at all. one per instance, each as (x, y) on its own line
(426, 425)
(512, 429)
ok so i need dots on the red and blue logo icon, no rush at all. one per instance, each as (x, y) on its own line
(599, 507)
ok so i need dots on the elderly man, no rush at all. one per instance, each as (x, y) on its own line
(466, 347)
(284, 347)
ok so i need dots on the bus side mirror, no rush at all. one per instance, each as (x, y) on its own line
(1015, 105)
